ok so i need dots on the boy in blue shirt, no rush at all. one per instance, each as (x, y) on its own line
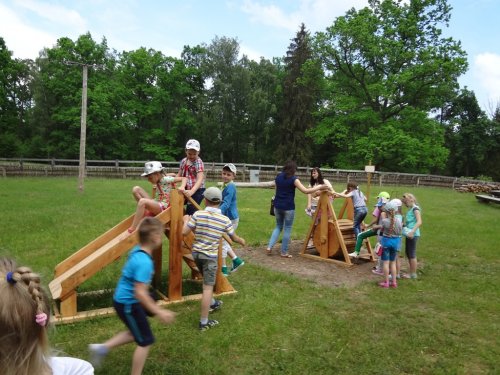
(229, 208)
(132, 300)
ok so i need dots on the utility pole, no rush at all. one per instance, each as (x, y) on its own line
(83, 122)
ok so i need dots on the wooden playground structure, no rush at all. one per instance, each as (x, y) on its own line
(109, 247)
(333, 237)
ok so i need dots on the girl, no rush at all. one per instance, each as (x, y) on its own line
(312, 199)
(284, 205)
(153, 170)
(391, 243)
(412, 233)
(359, 202)
(24, 317)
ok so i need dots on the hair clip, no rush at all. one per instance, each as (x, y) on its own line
(41, 319)
(9, 277)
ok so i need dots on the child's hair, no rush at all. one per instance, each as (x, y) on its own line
(319, 180)
(289, 168)
(410, 197)
(352, 185)
(24, 312)
(148, 226)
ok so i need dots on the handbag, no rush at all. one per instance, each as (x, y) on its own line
(271, 209)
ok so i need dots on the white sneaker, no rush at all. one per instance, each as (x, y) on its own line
(97, 353)
(353, 254)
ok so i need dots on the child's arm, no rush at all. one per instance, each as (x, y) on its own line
(182, 180)
(343, 194)
(417, 224)
(197, 184)
(238, 239)
(227, 197)
(141, 292)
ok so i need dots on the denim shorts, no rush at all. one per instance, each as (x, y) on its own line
(391, 246)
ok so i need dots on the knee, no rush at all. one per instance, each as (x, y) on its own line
(136, 190)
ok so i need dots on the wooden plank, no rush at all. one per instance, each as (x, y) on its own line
(487, 198)
(175, 248)
(335, 261)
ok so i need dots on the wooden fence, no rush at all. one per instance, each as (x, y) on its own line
(132, 169)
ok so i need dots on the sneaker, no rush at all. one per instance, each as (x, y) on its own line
(378, 272)
(97, 354)
(215, 306)
(353, 254)
(224, 271)
(210, 324)
(393, 284)
(237, 262)
(383, 284)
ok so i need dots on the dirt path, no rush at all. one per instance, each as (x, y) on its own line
(322, 272)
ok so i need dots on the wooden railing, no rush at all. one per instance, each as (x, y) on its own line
(132, 169)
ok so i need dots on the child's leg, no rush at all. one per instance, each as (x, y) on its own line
(144, 203)
(138, 193)
(206, 300)
(119, 339)
(386, 271)
(139, 359)
(411, 253)
(393, 272)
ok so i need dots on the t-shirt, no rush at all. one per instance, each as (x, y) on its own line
(285, 192)
(411, 220)
(138, 268)
(70, 366)
(396, 230)
(228, 206)
(208, 226)
(358, 198)
(163, 189)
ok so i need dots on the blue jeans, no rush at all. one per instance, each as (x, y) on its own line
(359, 216)
(283, 218)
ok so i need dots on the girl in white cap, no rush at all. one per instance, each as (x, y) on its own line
(193, 169)
(153, 170)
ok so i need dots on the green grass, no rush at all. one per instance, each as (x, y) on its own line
(446, 322)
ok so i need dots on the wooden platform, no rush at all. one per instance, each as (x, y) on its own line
(487, 198)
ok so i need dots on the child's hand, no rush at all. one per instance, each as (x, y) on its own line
(166, 316)
(188, 193)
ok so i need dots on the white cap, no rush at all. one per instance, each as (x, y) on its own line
(231, 167)
(213, 194)
(193, 144)
(151, 167)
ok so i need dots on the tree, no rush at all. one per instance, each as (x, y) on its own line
(384, 63)
(299, 101)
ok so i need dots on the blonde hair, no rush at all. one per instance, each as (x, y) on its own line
(410, 197)
(23, 341)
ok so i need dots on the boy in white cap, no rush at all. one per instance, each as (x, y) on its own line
(208, 226)
(229, 208)
(193, 169)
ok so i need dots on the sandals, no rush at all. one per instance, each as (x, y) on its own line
(286, 255)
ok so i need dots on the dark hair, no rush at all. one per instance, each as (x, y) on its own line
(353, 185)
(319, 180)
(148, 226)
(289, 168)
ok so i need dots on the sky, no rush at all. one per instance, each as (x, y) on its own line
(263, 28)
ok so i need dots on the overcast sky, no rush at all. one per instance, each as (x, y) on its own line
(262, 27)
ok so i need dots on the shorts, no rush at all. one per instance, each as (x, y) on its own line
(197, 197)
(135, 318)
(391, 246)
(207, 266)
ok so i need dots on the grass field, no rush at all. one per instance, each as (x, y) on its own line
(446, 322)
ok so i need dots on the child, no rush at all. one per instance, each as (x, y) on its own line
(153, 170)
(132, 300)
(24, 316)
(383, 198)
(193, 169)
(391, 244)
(412, 232)
(313, 198)
(359, 202)
(208, 226)
(229, 208)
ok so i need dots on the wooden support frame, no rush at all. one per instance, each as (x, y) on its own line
(328, 234)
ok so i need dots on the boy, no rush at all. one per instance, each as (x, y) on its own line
(208, 226)
(132, 301)
(229, 208)
(192, 167)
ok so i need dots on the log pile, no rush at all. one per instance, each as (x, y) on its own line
(478, 188)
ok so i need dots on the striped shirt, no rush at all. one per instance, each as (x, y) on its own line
(208, 226)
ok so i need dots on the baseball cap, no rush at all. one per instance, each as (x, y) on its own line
(213, 194)
(397, 201)
(381, 201)
(151, 167)
(231, 167)
(384, 194)
(193, 144)
(391, 206)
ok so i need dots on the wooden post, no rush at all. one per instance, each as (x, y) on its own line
(83, 130)
(175, 251)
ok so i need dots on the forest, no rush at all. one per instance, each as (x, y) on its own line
(379, 85)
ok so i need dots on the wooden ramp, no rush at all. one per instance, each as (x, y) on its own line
(333, 238)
